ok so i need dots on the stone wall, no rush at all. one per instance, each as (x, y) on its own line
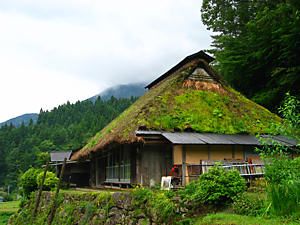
(96, 208)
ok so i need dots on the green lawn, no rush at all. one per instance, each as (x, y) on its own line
(233, 219)
(7, 209)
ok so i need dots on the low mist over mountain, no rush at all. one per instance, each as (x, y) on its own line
(122, 91)
(119, 91)
(17, 121)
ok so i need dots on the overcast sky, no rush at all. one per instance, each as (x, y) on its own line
(52, 51)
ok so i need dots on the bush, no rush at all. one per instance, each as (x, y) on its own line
(283, 170)
(155, 204)
(6, 197)
(285, 198)
(216, 187)
(28, 181)
(283, 178)
(50, 180)
(248, 204)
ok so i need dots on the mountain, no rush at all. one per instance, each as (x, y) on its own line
(119, 91)
(25, 118)
(122, 91)
(64, 128)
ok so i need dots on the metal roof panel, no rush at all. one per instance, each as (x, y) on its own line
(280, 139)
(243, 139)
(60, 156)
(182, 138)
(214, 138)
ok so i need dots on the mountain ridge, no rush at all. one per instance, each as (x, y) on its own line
(118, 91)
(122, 91)
(22, 119)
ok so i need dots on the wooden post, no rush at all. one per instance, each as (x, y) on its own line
(37, 201)
(209, 153)
(233, 151)
(97, 171)
(183, 165)
(54, 203)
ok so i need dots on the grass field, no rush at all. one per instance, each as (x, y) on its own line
(7, 209)
(233, 219)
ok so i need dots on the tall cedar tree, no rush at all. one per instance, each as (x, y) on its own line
(257, 46)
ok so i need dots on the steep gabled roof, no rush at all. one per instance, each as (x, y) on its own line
(197, 55)
(178, 102)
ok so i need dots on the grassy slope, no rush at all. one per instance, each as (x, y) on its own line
(7, 209)
(170, 106)
(233, 219)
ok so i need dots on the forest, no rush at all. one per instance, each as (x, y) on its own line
(257, 46)
(66, 127)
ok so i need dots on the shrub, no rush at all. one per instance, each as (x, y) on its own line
(216, 187)
(6, 197)
(283, 178)
(28, 181)
(155, 204)
(248, 204)
(161, 208)
(285, 198)
(50, 180)
(282, 170)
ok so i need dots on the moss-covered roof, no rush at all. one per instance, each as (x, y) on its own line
(176, 103)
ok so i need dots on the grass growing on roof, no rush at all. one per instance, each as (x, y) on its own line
(170, 106)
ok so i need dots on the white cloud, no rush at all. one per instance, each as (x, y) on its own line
(90, 44)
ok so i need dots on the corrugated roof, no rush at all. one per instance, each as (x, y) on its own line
(280, 139)
(214, 138)
(243, 139)
(183, 138)
(60, 156)
(207, 138)
(222, 139)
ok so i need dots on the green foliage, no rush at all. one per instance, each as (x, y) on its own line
(66, 127)
(28, 181)
(42, 158)
(6, 197)
(216, 187)
(249, 204)
(233, 219)
(141, 195)
(102, 208)
(290, 111)
(285, 198)
(257, 48)
(155, 204)
(7, 209)
(283, 170)
(50, 180)
(89, 209)
(283, 191)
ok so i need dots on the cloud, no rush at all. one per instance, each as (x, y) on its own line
(92, 44)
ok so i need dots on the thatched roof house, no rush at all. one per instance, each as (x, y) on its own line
(190, 97)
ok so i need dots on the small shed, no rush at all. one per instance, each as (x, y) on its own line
(77, 173)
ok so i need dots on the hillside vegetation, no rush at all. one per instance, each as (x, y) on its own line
(66, 127)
